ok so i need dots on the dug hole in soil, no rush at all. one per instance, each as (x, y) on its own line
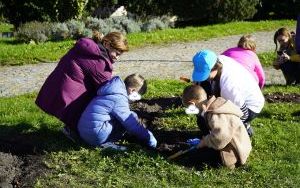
(21, 159)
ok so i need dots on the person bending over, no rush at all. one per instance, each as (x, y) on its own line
(227, 142)
(108, 117)
(231, 81)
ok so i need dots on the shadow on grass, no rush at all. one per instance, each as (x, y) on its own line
(297, 113)
(22, 149)
(10, 42)
(23, 139)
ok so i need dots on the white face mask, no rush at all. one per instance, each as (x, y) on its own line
(134, 96)
(192, 109)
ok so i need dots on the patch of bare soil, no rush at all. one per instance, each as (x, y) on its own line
(282, 97)
(21, 161)
(20, 171)
(169, 141)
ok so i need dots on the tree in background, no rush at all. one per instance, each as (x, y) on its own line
(198, 12)
(277, 9)
(22, 11)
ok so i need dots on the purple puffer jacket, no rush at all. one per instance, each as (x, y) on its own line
(75, 80)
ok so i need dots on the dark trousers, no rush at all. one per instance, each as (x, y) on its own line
(291, 72)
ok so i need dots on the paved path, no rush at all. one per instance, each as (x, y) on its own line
(164, 62)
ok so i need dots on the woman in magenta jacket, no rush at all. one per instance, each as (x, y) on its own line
(245, 54)
(80, 72)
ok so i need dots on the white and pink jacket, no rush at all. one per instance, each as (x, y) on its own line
(250, 61)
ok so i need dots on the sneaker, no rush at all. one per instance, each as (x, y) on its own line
(111, 145)
(69, 133)
(249, 129)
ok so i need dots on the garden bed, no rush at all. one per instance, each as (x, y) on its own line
(21, 155)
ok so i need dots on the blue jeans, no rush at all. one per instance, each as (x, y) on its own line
(110, 131)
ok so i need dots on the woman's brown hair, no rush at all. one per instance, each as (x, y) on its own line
(115, 39)
(284, 32)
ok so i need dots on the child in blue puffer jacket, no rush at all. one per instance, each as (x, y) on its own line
(108, 117)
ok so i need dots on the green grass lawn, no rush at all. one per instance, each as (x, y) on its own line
(274, 161)
(12, 53)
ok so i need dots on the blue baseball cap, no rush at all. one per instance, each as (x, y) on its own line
(204, 61)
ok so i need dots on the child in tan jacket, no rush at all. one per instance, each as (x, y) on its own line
(227, 134)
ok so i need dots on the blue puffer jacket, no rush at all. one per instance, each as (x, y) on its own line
(98, 121)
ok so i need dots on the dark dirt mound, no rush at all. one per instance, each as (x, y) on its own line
(20, 171)
(169, 141)
(282, 97)
(9, 169)
(20, 162)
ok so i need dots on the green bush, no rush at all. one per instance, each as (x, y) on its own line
(131, 26)
(198, 11)
(75, 28)
(93, 5)
(96, 24)
(278, 9)
(115, 24)
(18, 12)
(146, 8)
(153, 24)
(212, 11)
(60, 31)
(34, 31)
(233, 10)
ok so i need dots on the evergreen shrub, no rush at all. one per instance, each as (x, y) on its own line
(75, 28)
(153, 24)
(34, 31)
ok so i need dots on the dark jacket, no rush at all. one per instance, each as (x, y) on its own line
(75, 80)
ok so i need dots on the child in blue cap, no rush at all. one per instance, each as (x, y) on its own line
(108, 117)
(231, 81)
